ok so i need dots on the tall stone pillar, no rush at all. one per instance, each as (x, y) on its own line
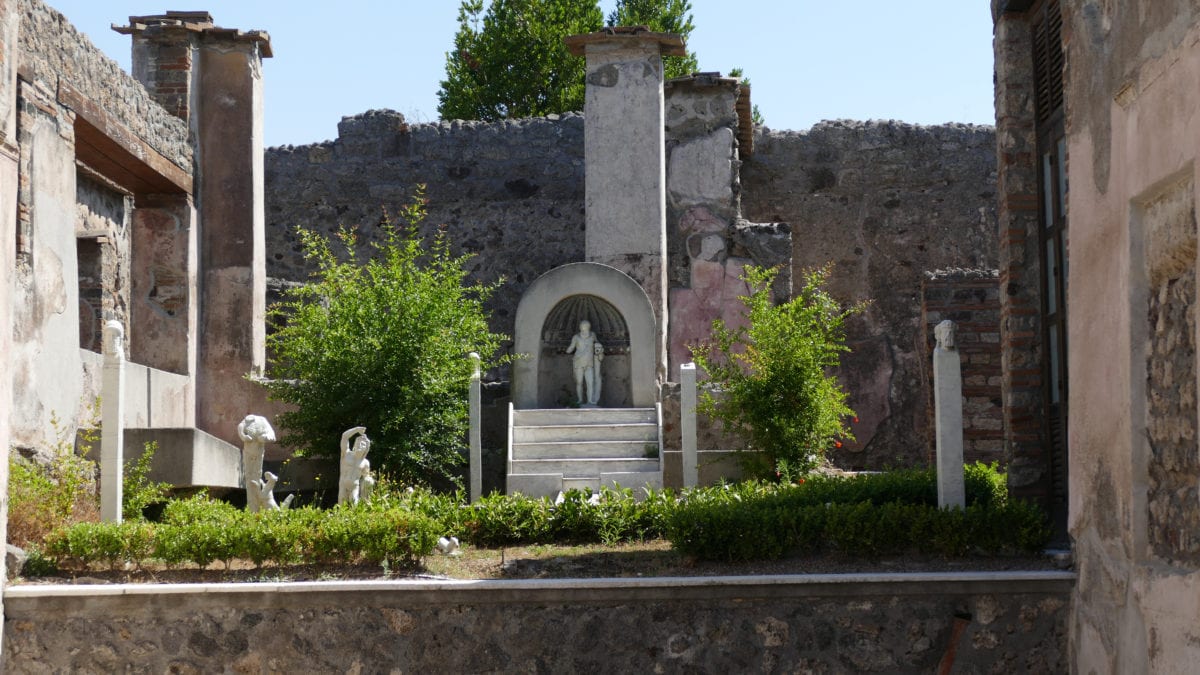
(625, 184)
(212, 77)
(10, 21)
(229, 181)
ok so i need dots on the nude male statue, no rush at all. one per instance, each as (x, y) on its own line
(588, 354)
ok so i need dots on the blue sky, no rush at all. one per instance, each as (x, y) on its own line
(928, 62)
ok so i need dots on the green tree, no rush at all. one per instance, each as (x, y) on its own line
(773, 377)
(382, 343)
(662, 16)
(510, 61)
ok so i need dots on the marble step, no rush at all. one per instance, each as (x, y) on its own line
(586, 449)
(583, 468)
(581, 416)
(561, 433)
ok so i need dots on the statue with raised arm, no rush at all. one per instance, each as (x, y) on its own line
(586, 364)
(354, 479)
(255, 432)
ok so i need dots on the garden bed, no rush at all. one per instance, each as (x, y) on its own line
(639, 559)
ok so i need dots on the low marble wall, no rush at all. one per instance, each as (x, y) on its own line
(892, 623)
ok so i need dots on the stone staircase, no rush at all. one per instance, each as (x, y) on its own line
(574, 448)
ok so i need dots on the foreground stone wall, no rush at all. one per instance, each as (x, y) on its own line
(885, 202)
(979, 623)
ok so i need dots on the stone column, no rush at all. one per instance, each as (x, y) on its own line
(212, 77)
(625, 184)
(229, 175)
(476, 409)
(112, 421)
(948, 419)
(687, 423)
(10, 20)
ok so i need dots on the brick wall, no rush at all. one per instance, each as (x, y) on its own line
(971, 299)
(1020, 263)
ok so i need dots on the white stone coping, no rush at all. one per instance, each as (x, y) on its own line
(31, 600)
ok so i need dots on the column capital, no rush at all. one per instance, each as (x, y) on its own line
(180, 26)
(669, 44)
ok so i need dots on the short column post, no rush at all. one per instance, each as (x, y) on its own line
(687, 423)
(476, 458)
(947, 394)
(112, 421)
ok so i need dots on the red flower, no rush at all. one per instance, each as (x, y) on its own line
(856, 419)
(801, 481)
(837, 444)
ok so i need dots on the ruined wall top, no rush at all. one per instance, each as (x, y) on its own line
(54, 53)
(173, 24)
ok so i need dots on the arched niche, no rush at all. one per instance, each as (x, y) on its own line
(546, 311)
(556, 378)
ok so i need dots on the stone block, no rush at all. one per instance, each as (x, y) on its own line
(187, 457)
(701, 171)
(535, 484)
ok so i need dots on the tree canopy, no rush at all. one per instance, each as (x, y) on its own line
(509, 60)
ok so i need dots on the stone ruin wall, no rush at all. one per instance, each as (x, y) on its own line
(53, 51)
(885, 201)
(510, 192)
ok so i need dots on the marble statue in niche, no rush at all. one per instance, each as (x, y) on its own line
(588, 354)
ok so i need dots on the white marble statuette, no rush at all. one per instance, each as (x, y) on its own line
(586, 364)
(255, 432)
(263, 494)
(354, 479)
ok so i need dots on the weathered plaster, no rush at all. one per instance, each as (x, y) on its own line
(1132, 142)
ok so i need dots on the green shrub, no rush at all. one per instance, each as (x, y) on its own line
(985, 484)
(45, 497)
(501, 520)
(863, 515)
(772, 377)
(198, 508)
(382, 343)
(138, 491)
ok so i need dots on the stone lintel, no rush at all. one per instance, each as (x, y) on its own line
(670, 44)
(199, 23)
(117, 153)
